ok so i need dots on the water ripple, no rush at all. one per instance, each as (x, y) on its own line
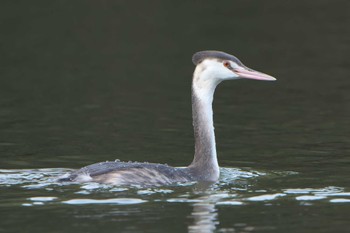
(235, 187)
(119, 201)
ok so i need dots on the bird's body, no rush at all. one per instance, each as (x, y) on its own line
(131, 173)
(212, 67)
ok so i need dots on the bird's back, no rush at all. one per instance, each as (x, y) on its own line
(127, 173)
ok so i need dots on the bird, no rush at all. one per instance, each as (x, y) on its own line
(211, 68)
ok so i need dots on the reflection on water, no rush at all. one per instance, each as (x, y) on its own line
(236, 188)
(205, 218)
(230, 190)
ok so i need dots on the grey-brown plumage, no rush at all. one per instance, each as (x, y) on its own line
(130, 173)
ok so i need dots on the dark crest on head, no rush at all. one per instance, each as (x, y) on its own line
(200, 56)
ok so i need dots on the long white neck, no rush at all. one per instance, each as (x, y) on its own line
(205, 164)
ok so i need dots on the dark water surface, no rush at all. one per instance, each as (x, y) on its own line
(89, 81)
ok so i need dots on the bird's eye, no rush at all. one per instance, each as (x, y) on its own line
(227, 64)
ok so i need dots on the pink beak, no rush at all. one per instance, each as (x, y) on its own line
(252, 74)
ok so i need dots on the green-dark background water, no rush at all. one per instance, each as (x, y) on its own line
(89, 81)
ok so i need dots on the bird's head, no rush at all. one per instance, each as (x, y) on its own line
(216, 66)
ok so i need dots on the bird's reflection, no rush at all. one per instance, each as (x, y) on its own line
(204, 213)
(205, 217)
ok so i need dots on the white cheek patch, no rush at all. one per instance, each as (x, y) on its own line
(213, 71)
(207, 75)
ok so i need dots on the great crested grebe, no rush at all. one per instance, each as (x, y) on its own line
(212, 67)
